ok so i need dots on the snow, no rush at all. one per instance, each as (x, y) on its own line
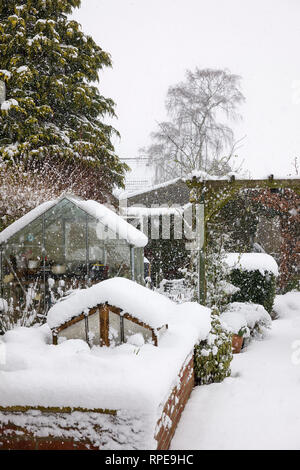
(252, 261)
(6, 73)
(106, 216)
(146, 305)
(124, 431)
(258, 406)
(6, 105)
(228, 288)
(118, 225)
(286, 304)
(126, 377)
(22, 69)
(245, 316)
(202, 176)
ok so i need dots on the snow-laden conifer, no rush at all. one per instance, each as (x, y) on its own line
(53, 110)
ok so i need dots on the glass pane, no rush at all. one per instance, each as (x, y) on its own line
(75, 331)
(98, 269)
(131, 328)
(94, 328)
(54, 241)
(29, 236)
(118, 259)
(65, 240)
(114, 332)
(96, 245)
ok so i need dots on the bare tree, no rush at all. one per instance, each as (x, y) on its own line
(197, 136)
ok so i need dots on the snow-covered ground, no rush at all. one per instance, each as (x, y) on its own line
(258, 406)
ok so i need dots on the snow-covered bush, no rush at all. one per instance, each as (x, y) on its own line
(213, 356)
(255, 276)
(287, 304)
(250, 319)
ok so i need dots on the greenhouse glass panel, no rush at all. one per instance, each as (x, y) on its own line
(118, 259)
(114, 333)
(131, 328)
(94, 328)
(75, 331)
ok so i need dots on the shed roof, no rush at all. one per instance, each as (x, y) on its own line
(100, 212)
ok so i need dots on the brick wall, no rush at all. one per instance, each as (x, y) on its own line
(13, 437)
(44, 430)
(173, 408)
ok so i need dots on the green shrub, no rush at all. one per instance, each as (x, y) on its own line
(254, 287)
(213, 356)
(292, 284)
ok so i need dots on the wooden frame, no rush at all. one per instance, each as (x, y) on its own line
(104, 310)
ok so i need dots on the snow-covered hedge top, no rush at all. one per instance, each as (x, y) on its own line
(127, 377)
(245, 316)
(148, 306)
(252, 261)
(106, 216)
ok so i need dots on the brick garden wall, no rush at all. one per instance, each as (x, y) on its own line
(15, 438)
(42, 430)
(174, 406)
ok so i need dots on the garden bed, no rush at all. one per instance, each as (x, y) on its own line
(123, 397)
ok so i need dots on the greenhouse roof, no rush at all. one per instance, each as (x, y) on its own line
(98, 211)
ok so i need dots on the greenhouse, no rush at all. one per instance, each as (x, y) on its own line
(61, 245)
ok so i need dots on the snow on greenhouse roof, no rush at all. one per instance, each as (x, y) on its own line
(252, 261)
(144, 304)
(106, 216)
(116, 223)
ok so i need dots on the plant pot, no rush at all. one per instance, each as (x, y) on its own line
(237, 343)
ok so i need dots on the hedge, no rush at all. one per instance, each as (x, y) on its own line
(254, 287)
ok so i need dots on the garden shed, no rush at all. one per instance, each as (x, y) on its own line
(64, 244)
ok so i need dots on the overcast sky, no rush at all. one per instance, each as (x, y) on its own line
(153, 42)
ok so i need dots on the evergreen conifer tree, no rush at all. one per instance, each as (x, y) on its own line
(53, 112)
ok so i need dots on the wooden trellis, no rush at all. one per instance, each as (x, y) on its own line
(212, 195)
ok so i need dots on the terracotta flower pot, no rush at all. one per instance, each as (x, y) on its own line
(237, 343)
